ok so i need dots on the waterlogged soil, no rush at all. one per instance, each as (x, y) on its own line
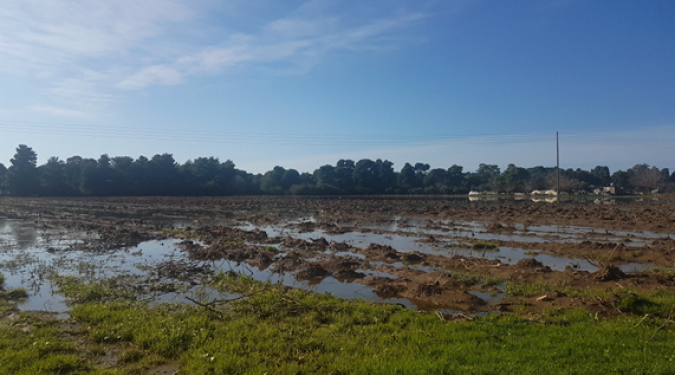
(425, 253)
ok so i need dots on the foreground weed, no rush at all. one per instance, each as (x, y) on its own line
(540, 288)
(286, 331)
(473, 279)
(485, 246)
(40, 351)
(105, 290)
(7, 296)
(658, 303)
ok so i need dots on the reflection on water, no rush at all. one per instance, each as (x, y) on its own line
(25, 261)
(412, 241)
(25, 236)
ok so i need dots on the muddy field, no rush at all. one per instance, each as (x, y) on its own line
(453, 255)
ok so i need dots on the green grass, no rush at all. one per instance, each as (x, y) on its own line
(540, 288)
(473, 279)
(659, 303)
(485, 246)
(285, 331)
(42, 350)
(8, 298)
(14, 294)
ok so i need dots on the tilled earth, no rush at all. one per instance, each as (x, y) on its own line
(431, 253)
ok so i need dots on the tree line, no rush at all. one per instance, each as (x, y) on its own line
(208, 176)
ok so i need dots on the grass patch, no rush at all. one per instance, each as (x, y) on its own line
(473, 279)
(539, 288)
(660, 303)
(10, 295)
(43, 350)
(286, 331)
(105, 290)
(13, 294)
(485, 246)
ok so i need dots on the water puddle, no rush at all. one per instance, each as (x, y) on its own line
(29, 254)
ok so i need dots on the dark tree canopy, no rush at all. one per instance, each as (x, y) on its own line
(22, 176)
(162, 175)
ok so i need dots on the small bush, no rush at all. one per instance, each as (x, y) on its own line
(632, 303)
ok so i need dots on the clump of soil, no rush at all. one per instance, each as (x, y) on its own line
(529, 263)
(189, 246)
(392, 255)
(534, 264)
(412, 257)
(312, 271)
(389, 290)
(426, 290)
(609, 273)
(378, 247)
(348, 274)
(498, 227)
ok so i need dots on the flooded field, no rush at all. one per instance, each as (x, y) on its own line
(451, 255)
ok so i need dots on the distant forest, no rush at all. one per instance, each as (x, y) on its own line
(208, 176)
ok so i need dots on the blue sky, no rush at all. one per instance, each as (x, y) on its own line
(305, 83)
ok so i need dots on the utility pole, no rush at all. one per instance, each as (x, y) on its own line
(557, 156)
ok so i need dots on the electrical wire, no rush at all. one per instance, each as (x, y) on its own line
(191, 135)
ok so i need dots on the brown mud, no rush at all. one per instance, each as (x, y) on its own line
(289, 235)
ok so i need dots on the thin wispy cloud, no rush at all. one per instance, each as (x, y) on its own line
(295, 42)
(58, 111)
(84, 53)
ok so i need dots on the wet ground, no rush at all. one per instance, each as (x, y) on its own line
(424, 253)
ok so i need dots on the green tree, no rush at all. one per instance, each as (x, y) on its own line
(513, 179)
(406, 178)
(645, 178)
(602, 176)
(435, 181)
(98, 179)
(345, 174)
(3, 177)
(271, 182)
(53, 178)
(365, 176)
(22, 176)
(163, 173)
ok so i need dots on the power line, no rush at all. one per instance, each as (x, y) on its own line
(190, 135)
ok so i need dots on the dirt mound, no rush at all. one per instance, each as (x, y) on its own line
(341, 246)
(533, 265)
(348, 274)
(342, 264)
(189, 246)
(378, 247)
(312, 271)
(392, 255)
(426, 290)
(412, 257)
(287, 264)
(320, 242)
(337, 230)
(296, 243)
(529, 263)
(388, 290)
(609, 273)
